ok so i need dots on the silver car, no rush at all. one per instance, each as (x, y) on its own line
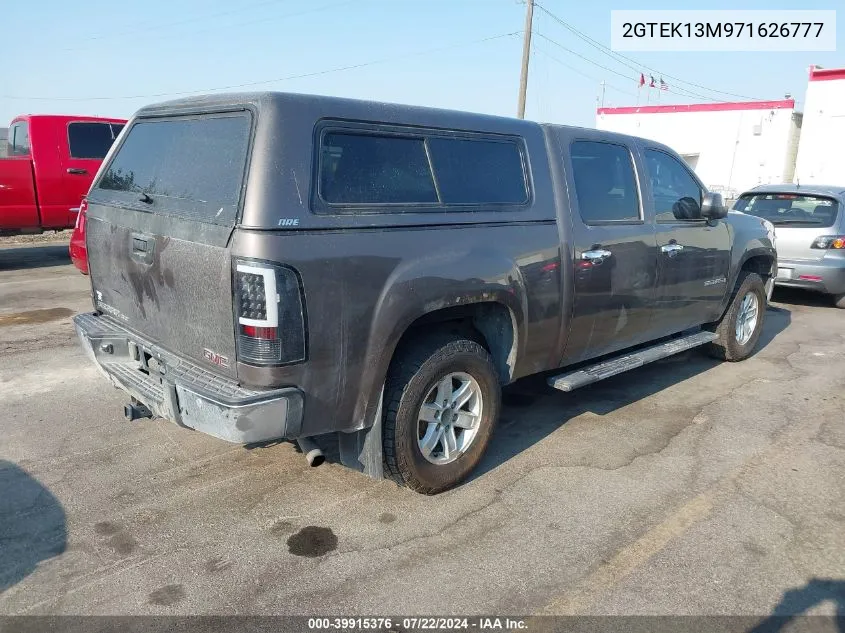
(810, 231)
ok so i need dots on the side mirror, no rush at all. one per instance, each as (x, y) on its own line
(713, 207)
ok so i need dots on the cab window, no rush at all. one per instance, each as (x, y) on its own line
(91, 140)
(677, 195)
(605, 183)
(18, 141)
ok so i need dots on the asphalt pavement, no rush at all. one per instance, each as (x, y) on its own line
(685, 487)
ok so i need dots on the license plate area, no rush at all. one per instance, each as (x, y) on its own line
(785, 273)
(147, 360)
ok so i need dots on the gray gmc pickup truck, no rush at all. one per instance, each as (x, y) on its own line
(272, 265)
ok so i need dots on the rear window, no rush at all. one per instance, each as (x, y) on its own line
(428, 170)
(91, 140)
(189, 168)
(790, 209)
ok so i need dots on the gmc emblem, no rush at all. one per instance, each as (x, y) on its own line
(214, 357)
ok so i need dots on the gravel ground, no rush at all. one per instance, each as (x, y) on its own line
(47, 236)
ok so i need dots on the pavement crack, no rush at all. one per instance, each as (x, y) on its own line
(795, 525)
(497, 495)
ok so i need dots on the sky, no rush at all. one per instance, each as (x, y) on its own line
(110, 58)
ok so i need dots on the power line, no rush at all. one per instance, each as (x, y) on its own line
(231, 26)
(583, 74)
(681, 91)
(163, 25)
(619, 57)
(586, 59)
(278, 79)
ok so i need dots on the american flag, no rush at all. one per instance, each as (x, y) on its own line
(663, 84)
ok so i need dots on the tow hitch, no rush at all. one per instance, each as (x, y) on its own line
(136, 411)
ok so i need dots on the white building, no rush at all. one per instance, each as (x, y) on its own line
(731, 146)
(821, 153)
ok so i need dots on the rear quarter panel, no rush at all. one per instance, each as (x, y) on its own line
(364, 288)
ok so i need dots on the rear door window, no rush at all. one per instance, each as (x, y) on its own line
(191, 168)
(89, 140)
(790, 209)
(605, 183)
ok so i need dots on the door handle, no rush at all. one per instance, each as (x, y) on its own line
(77, 171)
(595, 256)
(672, 249)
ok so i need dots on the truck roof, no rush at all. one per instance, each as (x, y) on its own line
(66, 118)
(358, 108)
(288, 100)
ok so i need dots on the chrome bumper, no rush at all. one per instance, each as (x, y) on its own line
(176, 389)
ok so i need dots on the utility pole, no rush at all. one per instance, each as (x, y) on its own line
(602, 93)
(526, 52)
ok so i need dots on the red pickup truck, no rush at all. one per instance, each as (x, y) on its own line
(50, 163)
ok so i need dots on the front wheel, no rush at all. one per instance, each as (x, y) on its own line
(839, 300)
(442, 400)
(739, 329)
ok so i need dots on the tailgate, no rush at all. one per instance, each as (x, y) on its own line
(159, 221)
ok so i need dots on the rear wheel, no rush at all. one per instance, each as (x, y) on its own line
(839, 300)
(739, 329)
(441, 404)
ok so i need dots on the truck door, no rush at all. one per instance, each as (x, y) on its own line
(87, 143)
(613, 250)
(18, 205)
(693, 255)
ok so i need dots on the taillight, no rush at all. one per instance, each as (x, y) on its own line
(270, 315)
(80, 217)
(829, 241)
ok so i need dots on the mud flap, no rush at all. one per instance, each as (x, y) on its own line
(361, 450)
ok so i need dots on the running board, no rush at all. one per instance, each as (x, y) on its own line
(619, 364)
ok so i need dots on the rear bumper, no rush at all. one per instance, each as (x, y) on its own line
(185, 393)
(825, 275)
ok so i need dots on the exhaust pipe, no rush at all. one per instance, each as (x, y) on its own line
(136, 411)
(311, 451)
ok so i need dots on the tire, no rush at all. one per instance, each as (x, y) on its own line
(839, 301)
(727, 346)
(417, 374)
